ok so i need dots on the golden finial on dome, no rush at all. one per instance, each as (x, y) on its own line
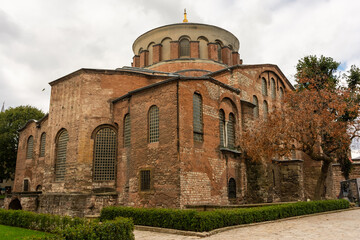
(185, 20)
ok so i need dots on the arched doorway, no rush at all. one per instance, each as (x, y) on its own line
(232, 188)
(15, 204)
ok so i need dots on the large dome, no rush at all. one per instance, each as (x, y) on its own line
(186, 41)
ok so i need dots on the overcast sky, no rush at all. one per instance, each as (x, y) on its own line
(43, 40)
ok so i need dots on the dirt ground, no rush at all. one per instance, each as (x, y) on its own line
(341, 225)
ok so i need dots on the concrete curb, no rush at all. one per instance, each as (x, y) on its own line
(219, 230)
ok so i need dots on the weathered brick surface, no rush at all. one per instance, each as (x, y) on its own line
(183, 171)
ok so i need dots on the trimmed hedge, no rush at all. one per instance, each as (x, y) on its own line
(35, 221)
(68, 228)
(192, 220)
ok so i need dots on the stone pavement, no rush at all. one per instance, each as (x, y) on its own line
(333, 226)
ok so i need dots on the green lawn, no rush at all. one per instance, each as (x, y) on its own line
(9, 233)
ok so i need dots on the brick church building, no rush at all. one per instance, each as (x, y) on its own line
(161, 133)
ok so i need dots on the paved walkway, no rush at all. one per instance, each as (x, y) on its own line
(334, 226)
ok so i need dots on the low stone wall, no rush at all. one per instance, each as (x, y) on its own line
(75, 204)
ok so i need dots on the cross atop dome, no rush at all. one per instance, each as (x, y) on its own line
(185, 20)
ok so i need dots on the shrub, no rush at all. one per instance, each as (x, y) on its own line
(41, 222)
(209, 220)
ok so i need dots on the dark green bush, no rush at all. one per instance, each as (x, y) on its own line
(206, 221)
(118, 229)
(35, 221)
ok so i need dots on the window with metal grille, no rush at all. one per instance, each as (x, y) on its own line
(219, 52)
(232, 188)
(256, 108)
(265, 109)
(61, 149)
(26, 185)
(184, 48)
(153, 124)
(30, 147)
(197, 117)
(222, 127)
(127, 131)
(104, 154)
(231, 131)
(264, 86)
(145, 180)
(42, 144)
(273, 88)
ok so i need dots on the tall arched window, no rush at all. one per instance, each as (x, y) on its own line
(232, 189)
(273, 88)
(265, 109)
(281, 94)
(42, 144)
(231, 131)
(104, 154)
(153, 124)
(256, 108)
(197, 117)
(219, 51)
(184, 47)
(127, 131)
(222, 127)
(263, 86)
(30, 147)
(61, 149)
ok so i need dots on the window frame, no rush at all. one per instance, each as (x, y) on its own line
(30, 147)
(264, 87)
(42, 147)
(198, 120)
(184, 50)
(98, 173)
(142, 183)
(153, 124)
(59, 175)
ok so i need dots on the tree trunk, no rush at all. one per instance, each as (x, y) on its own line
(320, 189)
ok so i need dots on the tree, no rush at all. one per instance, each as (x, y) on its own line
(10, 121)
(319, 118)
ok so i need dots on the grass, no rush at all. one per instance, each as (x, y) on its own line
(10, 233)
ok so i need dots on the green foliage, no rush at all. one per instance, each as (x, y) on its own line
(118, 229)
(353, 77)
(41, 222)
(206, 221)
(68, 228)
(320, 70)
(10, 121)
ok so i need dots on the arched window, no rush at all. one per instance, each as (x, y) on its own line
(104, 154)
(256, 108)
(61, 149)
(265, 109)
(231, 131)
(219, 51)
(222, 127)
(127, 131)
(197, 117)
(153, 124)
(184, 47)
(42, 144)
(232, 188)
(281, 94)
(26, 185)
(273, 88)
(30, 147)
(263, 86)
